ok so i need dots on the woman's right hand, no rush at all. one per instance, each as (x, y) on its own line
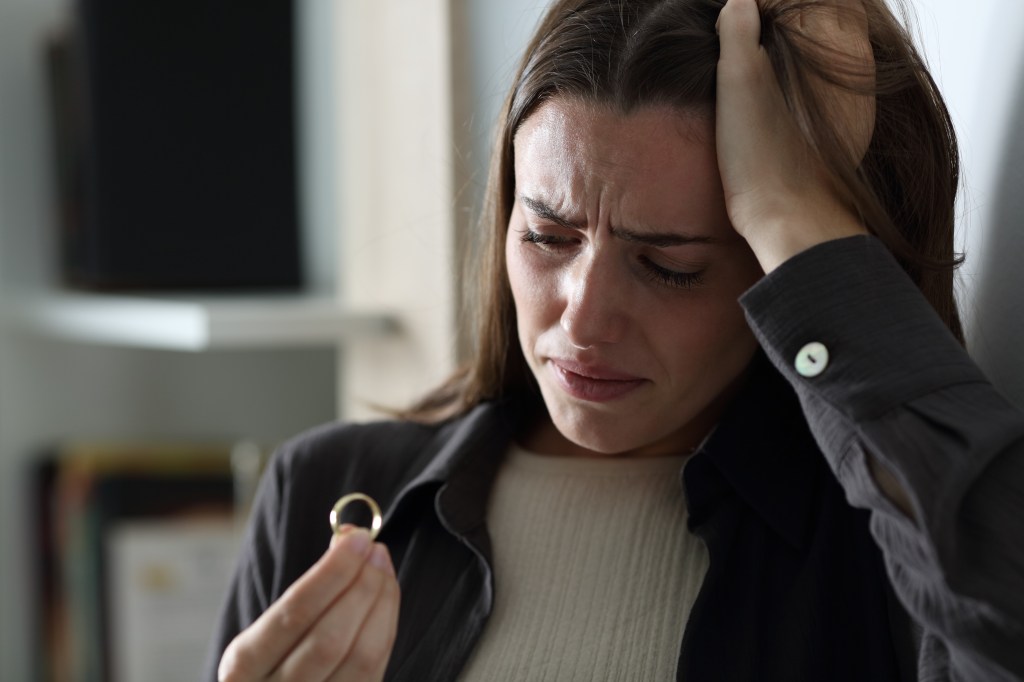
(337, 622)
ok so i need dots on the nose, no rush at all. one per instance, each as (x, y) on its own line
(595, 298)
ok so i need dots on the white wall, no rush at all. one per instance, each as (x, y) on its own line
(498, 33)
(977, 53)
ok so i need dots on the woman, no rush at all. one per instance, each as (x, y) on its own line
(697, 252)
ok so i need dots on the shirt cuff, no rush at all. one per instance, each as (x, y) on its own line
(881, 343)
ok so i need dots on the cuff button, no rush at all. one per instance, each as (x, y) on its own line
(811, 360)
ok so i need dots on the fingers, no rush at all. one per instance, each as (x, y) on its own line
(839, 24)
(751, 115)
(748, 89)
(259, 649)
(342, 531)
(742, 61)
(841, 28)
(739, 31)
(347, 634)
(778, 192)
(849, 15)
(369, 654)
(338, 621)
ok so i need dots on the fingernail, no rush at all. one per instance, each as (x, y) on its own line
(342, 531)
(380, 558)
(357, 541)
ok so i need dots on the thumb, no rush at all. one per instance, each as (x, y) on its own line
(739, 31)
(343, 529)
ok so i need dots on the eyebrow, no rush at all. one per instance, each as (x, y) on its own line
(542, 210)
(655, 239)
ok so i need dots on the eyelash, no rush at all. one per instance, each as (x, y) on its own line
(653, 271)
(678, 280)
(531, 237)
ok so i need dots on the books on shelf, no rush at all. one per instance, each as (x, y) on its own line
(134, 548)
(165, 578)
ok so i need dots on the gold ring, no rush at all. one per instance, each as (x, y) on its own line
(353, 497)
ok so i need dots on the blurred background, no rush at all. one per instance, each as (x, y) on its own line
(347, 169)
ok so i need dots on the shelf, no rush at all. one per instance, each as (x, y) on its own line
(194, 323)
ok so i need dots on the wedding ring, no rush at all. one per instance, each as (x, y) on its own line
(353, 497)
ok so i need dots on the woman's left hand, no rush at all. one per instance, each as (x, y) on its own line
(778, 195)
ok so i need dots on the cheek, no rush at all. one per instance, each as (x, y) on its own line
(702, 334)
(719, 319)
(532, 279)
(516, 275)
(525, 283)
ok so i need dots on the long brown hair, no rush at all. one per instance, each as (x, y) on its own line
(625, 54)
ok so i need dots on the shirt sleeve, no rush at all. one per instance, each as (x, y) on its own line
(889, 381)
(256, 572)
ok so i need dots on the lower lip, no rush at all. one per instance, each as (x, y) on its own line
(593, 390)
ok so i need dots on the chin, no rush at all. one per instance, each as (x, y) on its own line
(644, 432)
(604, 438)
(599, 446)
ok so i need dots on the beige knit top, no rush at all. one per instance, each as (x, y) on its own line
(595, 570)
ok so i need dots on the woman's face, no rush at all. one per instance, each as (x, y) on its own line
(625, 273)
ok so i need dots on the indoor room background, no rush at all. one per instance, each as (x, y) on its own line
(394, 106)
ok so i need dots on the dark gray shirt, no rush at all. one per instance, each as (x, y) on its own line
(899, 387)
(801, 585)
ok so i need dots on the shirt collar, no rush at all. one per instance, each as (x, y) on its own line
(467, 453)
(763, 452)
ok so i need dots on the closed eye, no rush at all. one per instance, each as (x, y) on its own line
(656, 273)
(549, 240)
(671, 278)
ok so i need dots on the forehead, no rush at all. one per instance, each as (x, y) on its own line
(569, 114)
(655, 164)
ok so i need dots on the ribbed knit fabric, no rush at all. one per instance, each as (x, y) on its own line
(595, 571)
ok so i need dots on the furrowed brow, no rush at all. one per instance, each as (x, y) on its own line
(660, 239)
(655, 239)
(542, 210)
